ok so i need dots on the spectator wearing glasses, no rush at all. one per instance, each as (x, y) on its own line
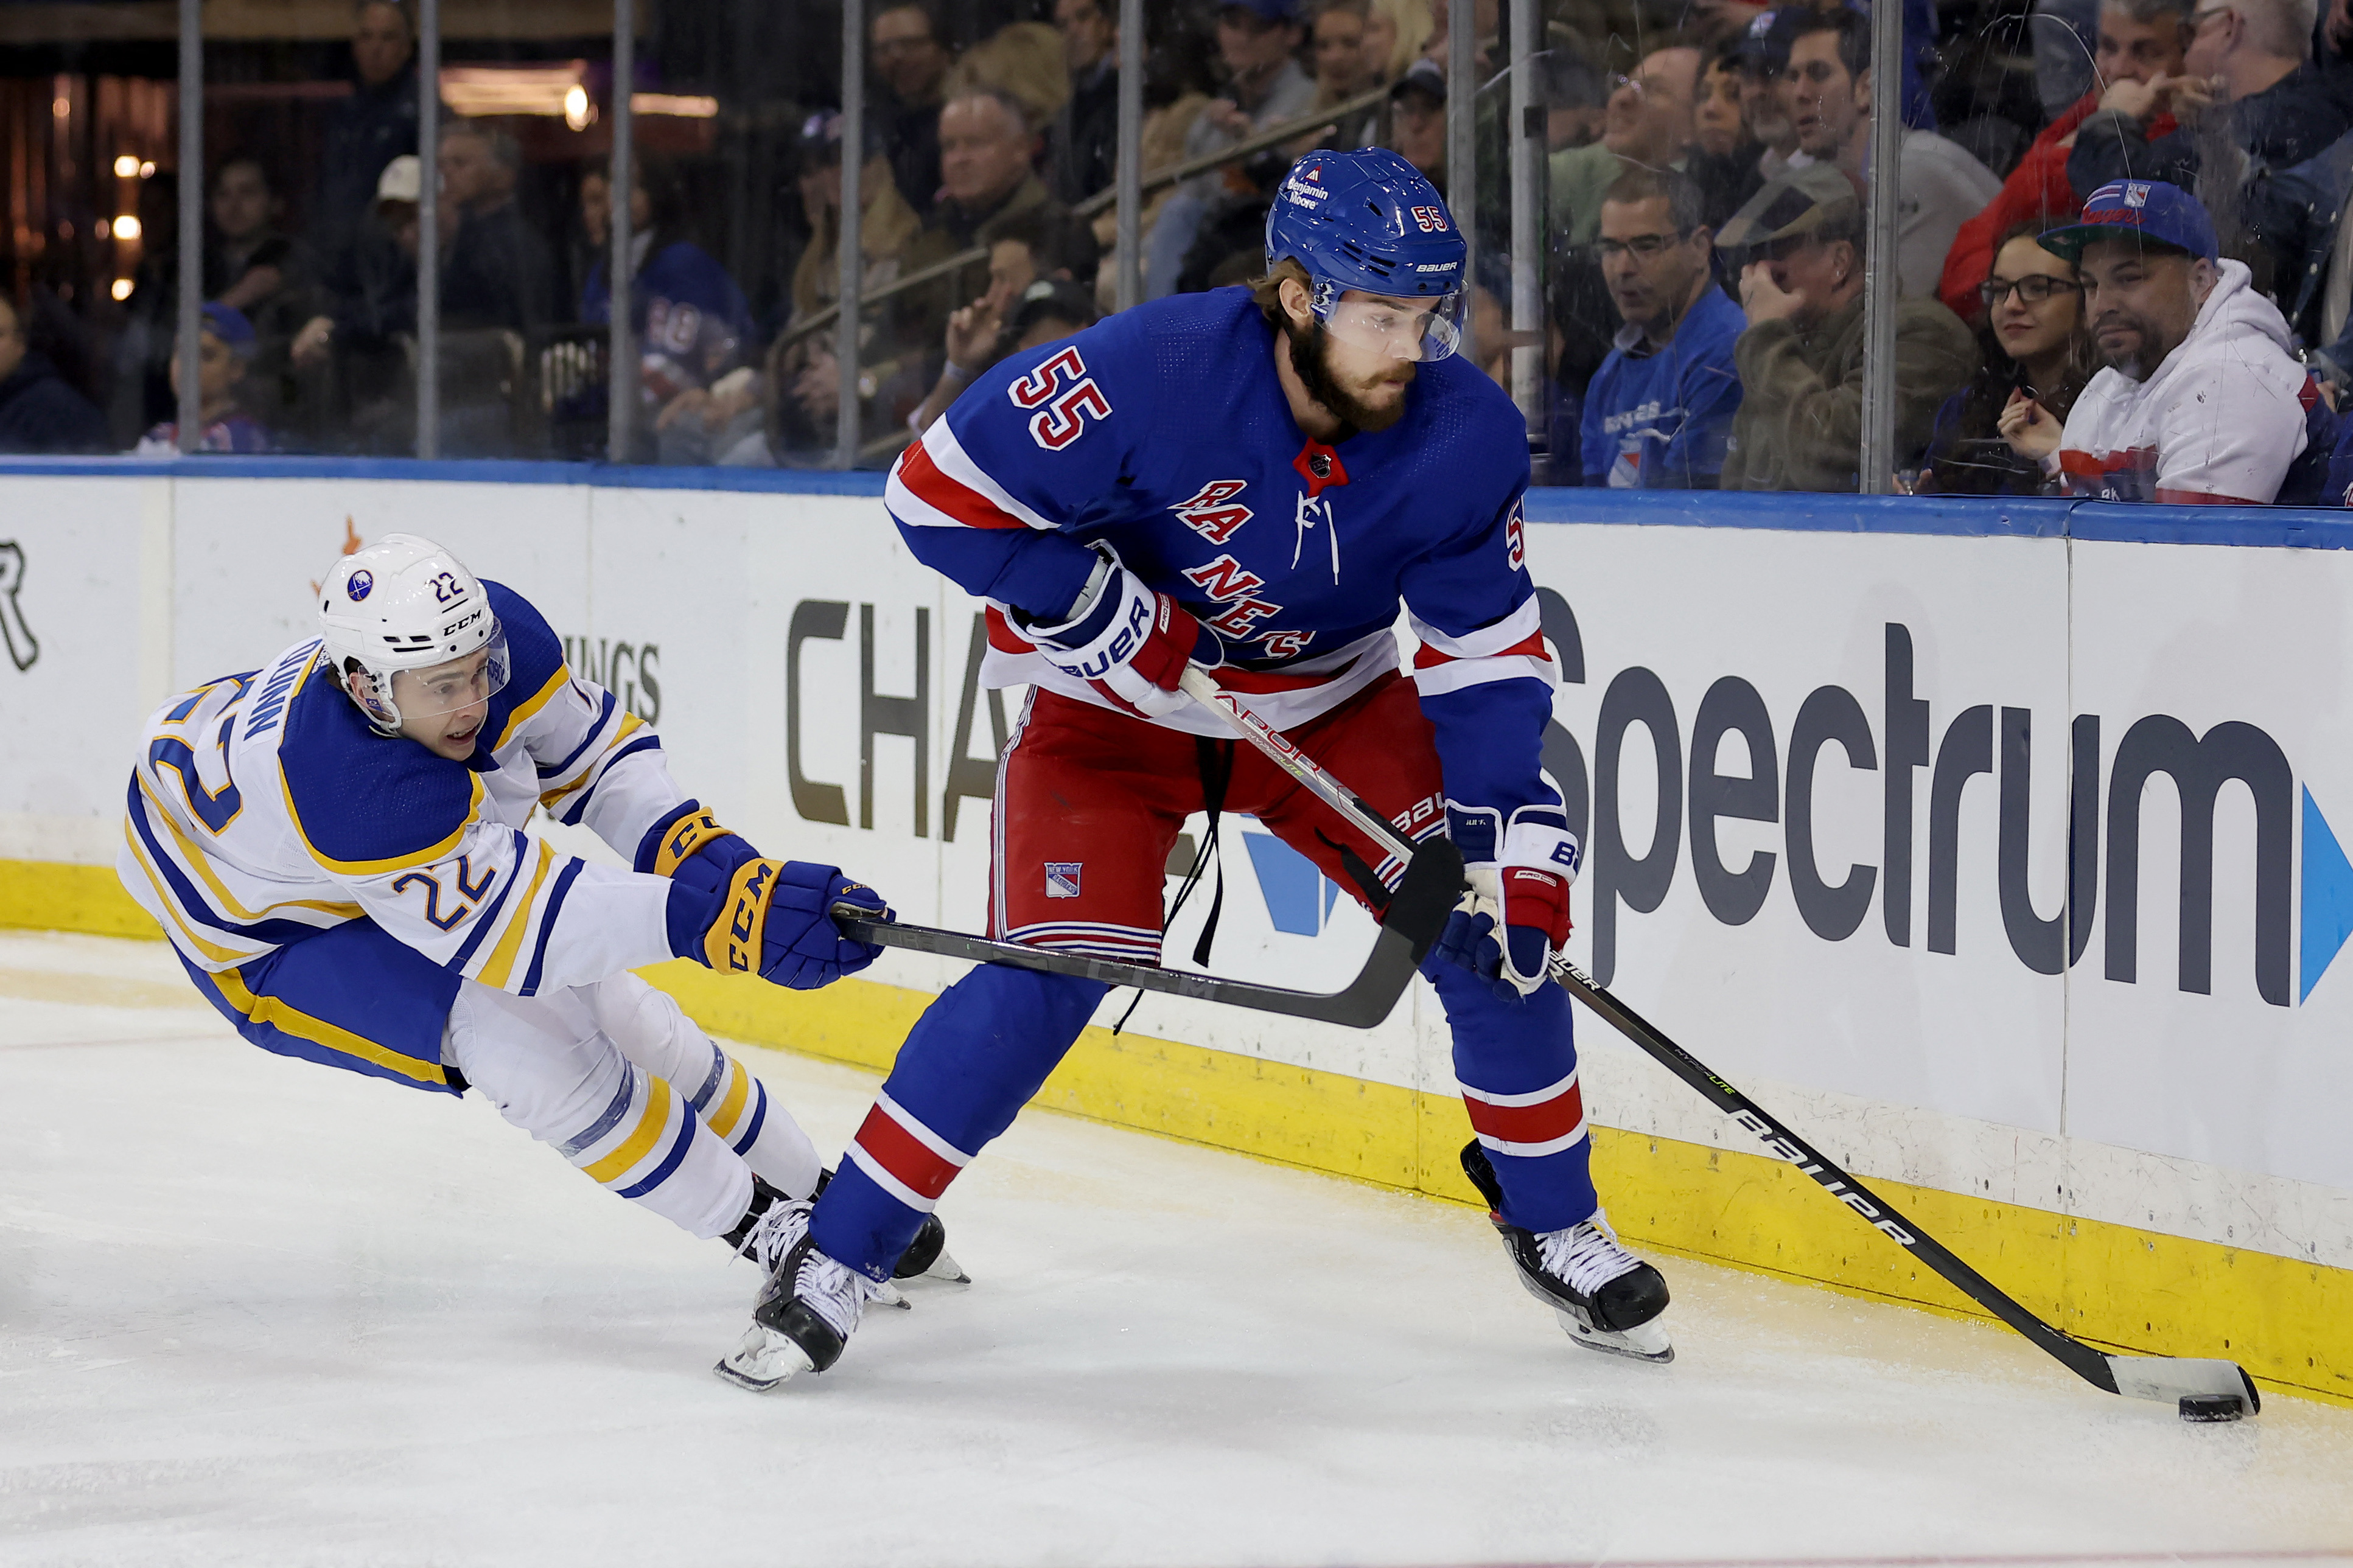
(2198, 399)
(2249, 101)
(1831, 100)
(1659, 410)
(2140, 41)
(1799, 247)
(1646, 124)
(904, 42)
(2034, 345)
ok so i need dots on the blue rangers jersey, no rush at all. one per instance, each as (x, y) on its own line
(1163, 432)
(264, 809)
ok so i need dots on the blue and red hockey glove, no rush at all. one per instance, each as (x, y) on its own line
(1519, 888)
(1128, 641)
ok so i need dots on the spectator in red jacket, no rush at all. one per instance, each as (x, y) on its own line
(2140, 41)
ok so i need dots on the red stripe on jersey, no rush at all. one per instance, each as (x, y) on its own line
(1538, 1123)
(1531, 647)
(1263, 682)
(904, 1155)
(1002, 637)
(959, 500)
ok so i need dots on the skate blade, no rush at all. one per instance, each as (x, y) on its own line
(1645, 1342)
(888, 1294)
(945, 1268)
(764, 1360)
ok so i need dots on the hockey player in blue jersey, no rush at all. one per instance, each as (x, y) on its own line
(333, 844)
(1250, 480)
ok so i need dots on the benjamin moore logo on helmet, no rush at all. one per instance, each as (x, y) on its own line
(361, 583)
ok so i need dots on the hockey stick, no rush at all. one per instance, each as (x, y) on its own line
(2175, 1380)
(1412, 921)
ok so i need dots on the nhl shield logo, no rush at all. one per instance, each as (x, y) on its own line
(1062, 878)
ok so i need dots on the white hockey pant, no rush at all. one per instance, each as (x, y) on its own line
(550, 1067)
(653, 1032)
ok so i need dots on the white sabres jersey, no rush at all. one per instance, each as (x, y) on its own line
(264, 809)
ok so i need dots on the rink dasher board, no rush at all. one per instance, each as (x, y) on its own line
(2137, 1101)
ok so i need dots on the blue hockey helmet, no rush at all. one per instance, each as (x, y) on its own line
(1368, 221)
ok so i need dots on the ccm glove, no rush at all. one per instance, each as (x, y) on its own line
(1515, 915)
(1127, 640)
(774, 919)
(690, 846)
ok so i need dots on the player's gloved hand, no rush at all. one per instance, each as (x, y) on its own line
(1515, 915)
(1129, 640)
(774, 919)
(689, 845)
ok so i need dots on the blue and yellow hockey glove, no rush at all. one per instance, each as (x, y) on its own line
(772, 918)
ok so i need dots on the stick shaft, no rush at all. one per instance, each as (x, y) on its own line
(2079, 1358)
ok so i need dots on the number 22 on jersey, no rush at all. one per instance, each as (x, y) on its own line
(1064, 394)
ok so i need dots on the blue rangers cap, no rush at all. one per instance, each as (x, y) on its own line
(2147, 210)
(1367, 220)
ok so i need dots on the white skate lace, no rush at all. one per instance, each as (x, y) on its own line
(1586, 1255)
(833, 1291)
(773, 1234)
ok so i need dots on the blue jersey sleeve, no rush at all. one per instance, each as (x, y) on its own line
(989, 494)
(1485, 678)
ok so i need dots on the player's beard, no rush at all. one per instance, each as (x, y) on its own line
(1310, 356)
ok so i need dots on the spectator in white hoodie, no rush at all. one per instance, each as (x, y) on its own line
(2200, 399)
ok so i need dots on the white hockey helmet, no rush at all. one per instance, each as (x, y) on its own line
(393, 615)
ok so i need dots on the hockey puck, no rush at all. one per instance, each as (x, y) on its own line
(2213, 1407)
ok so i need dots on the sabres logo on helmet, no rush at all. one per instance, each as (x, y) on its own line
(360, 585)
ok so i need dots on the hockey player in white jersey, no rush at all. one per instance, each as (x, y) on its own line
(333, 844)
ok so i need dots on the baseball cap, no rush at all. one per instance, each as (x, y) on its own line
(1422, 75)
(1813, 200)
(1273, 11)
(229, 323)
(820, 138)
(1765, 44)
(2151, 210)
(403, 180)
(1057, 299)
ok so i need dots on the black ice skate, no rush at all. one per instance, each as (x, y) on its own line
(1607, 1299)
(808, 1306)
(926, 1256)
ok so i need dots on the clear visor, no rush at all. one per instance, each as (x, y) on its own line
(439, 688)
(1398, 328)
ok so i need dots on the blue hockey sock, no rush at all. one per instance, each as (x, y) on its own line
(1516, 1061)
(971, 1062)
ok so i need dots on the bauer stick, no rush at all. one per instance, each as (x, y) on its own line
(1412, 921)
(2201, 1390)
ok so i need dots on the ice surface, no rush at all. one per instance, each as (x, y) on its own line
(256, 1312)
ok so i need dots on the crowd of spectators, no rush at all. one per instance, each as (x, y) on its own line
(2122, 259)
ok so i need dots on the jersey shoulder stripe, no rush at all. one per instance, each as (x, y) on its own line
(363, 802)
(535, 667)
